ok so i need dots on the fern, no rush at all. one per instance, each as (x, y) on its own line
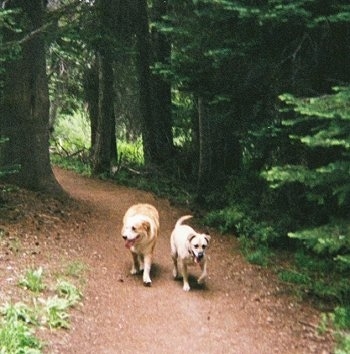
(331, 239)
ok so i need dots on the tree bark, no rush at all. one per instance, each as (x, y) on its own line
(204, 146)
(91, 93)
(105, 145)
(161, 88)
(144, 73)
(25, 107)
(105, 150)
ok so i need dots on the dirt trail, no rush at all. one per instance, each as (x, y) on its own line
(242, 308)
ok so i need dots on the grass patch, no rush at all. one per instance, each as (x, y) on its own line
(17, 337)
(75, 269)
(294, 277)
(69, 292)
(18, 321)
(33, 280)
(71, 163)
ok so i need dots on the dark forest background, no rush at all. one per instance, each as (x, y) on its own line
(239, 108)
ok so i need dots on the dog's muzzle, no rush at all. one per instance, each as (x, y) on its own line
(198, 257)
(129, 243)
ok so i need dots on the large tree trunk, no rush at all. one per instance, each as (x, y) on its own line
(143, 63)
(161, 88)
(105, 146)
(25, 107)
(105, 149)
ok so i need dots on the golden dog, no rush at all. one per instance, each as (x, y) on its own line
(140, 231)
(188, 247)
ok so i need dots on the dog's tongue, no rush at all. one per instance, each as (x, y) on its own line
(196, 260)
(129, 243)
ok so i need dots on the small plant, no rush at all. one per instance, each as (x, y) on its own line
(255, 253)
(55, 312)
(290, 276)
(339, 320)
(17, 337)
(18, 321)
(19, 312)
(15, 333)
(75, 269)
(33, 280)
(69, 292)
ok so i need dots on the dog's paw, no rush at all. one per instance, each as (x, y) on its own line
(186, 287)
(148, 284)
(133, 271)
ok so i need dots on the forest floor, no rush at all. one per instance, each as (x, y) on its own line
(243, 308)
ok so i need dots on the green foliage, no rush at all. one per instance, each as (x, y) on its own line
(19, 312)
(321, 127)
(319, 277)
(339, 319)
(19, 320)
(17, 337)
(342, 317)
(131, 153)
(331, 239)
(71, 163)
(55, 312)
(155, 181)
(8, 22)
(255, 252)
(344, 344)
(71, 135)
(226, 220)
(75, 269)
(234, 219)
(292, 276)
(69, 292)
(33, 280)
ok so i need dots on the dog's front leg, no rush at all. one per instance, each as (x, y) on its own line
(147, 262)
(186, 286)
(204, 274)
(175, 269)
(135, 263)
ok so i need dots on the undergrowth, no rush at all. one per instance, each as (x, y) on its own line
(44, 305)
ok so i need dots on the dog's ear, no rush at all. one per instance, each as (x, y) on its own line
(207, 237)
(146, 225)
(190, 237)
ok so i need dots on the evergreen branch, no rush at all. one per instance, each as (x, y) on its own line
(54, 16)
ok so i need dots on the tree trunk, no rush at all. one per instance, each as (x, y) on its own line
(25, 107)
(105, 146)
(161, 89)
(143, 49)
(204, 166)
(91, 93)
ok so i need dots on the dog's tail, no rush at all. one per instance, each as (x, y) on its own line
(182, 219)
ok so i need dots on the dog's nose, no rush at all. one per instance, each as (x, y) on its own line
(200, 255)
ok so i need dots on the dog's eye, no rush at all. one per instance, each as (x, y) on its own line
(133, 228)
(204, 246)
(196, 246)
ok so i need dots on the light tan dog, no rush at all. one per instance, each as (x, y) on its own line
(140, 231)
(188, 248)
